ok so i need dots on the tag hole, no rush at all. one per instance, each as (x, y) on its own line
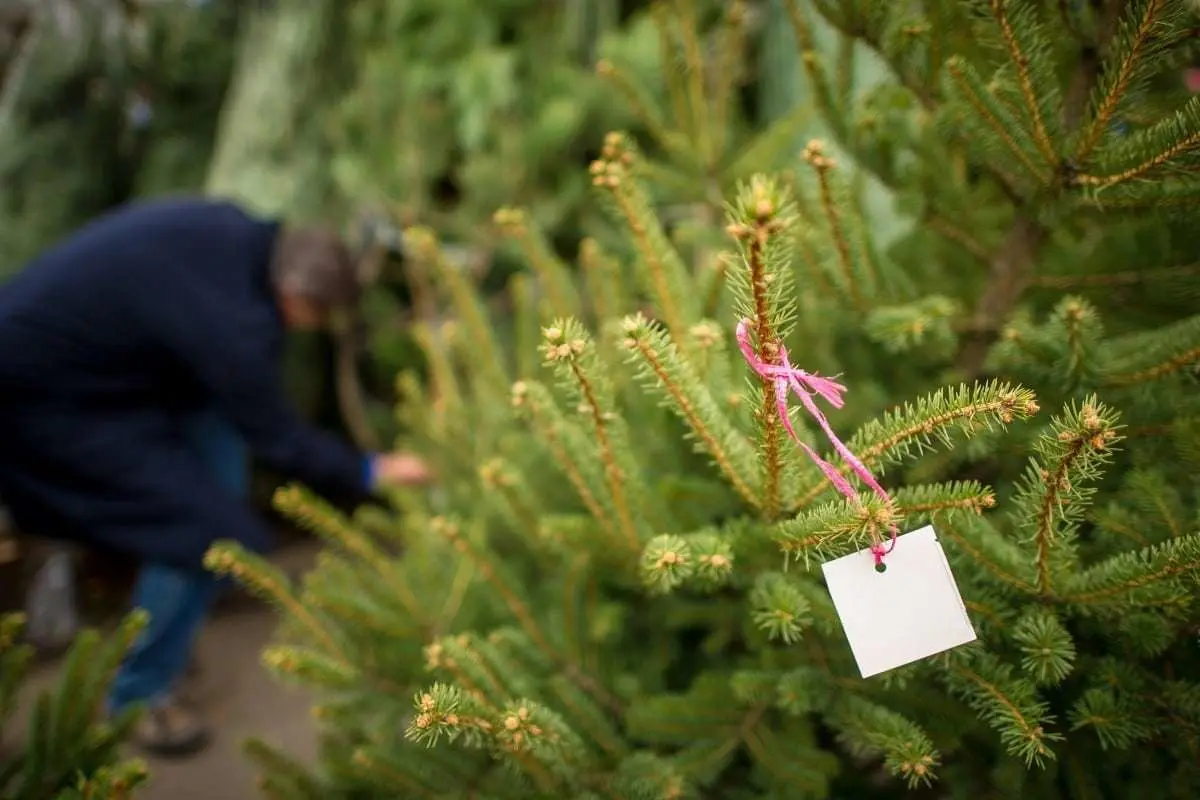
(881, 567)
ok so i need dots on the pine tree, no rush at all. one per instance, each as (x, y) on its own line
(615, 590)
(67, 753)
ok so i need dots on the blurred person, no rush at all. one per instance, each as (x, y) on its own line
(139, 368)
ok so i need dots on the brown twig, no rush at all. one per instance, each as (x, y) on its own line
(612, 470)
(1025, 80)
(1009, 274)
(1129, 277)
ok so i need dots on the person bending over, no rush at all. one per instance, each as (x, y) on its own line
(139, 367)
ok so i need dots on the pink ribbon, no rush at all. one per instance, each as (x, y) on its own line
(805, 385)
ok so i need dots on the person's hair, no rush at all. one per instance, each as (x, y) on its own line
(314, 263)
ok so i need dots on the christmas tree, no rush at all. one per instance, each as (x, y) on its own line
(67, 753)
(618, 589)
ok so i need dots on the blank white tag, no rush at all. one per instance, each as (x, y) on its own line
(910, 611)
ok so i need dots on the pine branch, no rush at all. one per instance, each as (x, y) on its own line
(1028, 50)
(943, 500)
(69, 751)
(314, 668)
(673, 76)
(504, 584)
(568, 446)
(553, 274)
(640, 103)
(1114, 521)
(571, 352)
(1118, 721)
(990, 118)
(708, 710)
(732, 52)
(1140, 358)
(580, 605)
(1066, 350)
(760, 223)
(646, 776)
(1046, 646)
(925, 324)
(373, 611)
(113, 782)
(661, 267)
(527, 324)
(959, 235)
(1167, 198)
(446, 402)
(694, 70)
(1158, 576)
(1131, 277)
(593, 722)
(1000, 558)
(873, 37)
(514, 496)
(832, 529)
(871, 731)
(1169, 146)
(703, 560)
(797, 772)
(603, 278)
(1009, 705)
(810, 58)
(1053, 494)
(487, 664)
(532, 736)
(779, 608)
(909, 429)
(770, 146)
(1152, 497)
(840, 526)
(1012, 265)
(1128, 65)
(319, 517)
(375, 767)
(687, 395)
(486, 356)
(854, 273)
(286, 771)
(265, 580)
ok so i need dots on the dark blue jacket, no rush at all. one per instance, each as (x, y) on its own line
(153, 311)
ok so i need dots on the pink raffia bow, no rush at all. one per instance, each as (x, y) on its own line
(788, 379)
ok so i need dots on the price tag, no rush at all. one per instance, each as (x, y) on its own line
(909, 611)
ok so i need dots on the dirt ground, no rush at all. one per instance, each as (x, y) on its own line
(240, 698)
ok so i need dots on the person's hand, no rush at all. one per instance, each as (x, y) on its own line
(401, 469)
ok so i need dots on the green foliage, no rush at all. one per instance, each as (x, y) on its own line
(71, 146)
(454, 109)
(69, 753)
(614, 590)
(279, 72)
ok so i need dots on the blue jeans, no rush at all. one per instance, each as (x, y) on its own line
(178, 600)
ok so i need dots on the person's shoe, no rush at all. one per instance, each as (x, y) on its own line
(171, 730)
